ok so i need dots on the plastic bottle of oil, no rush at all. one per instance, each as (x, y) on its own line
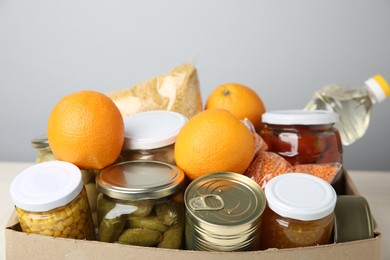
(353, 105)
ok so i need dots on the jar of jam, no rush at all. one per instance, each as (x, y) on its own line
(50, 199)
(304, 137)
(151, 135)
(300, 211)
(141, 203)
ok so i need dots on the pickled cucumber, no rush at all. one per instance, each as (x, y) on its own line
(110, 229)
(173, 236)
(104, 205)
(167, 212)
(149, 222)
(140, 237)
(142, 208)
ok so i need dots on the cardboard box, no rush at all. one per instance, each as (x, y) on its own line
(21, 245)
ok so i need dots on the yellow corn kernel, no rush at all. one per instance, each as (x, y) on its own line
(66, 231)
(57, 233)
(47, 232)
(76, 217)
(68, 222)
(48, 226)
(68, 211)
(75, 208)
(75, 233)
(59, 227)
(82, 219)
(80, 226)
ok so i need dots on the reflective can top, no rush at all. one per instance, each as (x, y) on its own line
(140, 179)
(224, 199)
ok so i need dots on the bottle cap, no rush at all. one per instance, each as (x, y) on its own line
(300, 117)
(379, 86)
(46, 186)
(152, 129)
(300, 196)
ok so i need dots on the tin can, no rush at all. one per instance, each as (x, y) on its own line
(353, 219)
(223, 213)
(141, 203)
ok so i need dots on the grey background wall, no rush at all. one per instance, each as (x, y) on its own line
(284, 50)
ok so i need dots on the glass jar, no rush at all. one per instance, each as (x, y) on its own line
(300, 211)
(304, 137)
(41, 145)
(141, 203)
(50, 199)
(151, 135)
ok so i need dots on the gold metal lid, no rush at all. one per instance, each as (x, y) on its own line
(140, 179)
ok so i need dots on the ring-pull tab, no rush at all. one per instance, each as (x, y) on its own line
(210, 202)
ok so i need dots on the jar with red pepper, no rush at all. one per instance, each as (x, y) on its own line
(304, 137)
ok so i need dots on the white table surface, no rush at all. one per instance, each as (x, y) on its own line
(373, 185)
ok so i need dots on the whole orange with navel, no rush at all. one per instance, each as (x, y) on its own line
(213, 140)
(86, 129)
(240, 100)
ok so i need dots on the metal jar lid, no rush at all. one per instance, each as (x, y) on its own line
(140, 179)
(40, 142)
(224, 212)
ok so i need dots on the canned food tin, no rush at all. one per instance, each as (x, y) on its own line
(353, 219)
(223, 213)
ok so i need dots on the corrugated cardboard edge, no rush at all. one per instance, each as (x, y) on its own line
(20, 245)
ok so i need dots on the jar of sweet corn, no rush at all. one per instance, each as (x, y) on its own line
(141, 203)
(300, 211)
(50, 199)
(151, 135)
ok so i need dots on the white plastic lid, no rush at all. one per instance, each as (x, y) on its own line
(46, 186)
(300, 196)
(379, 87)
(300, 117)
(152, 129)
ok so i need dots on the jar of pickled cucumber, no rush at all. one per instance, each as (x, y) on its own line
(151, 135)
(299, 212)
(141, 203)
(50, 199)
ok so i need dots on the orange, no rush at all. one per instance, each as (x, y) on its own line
(86, 129)
(213, 140)
(242, 101)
